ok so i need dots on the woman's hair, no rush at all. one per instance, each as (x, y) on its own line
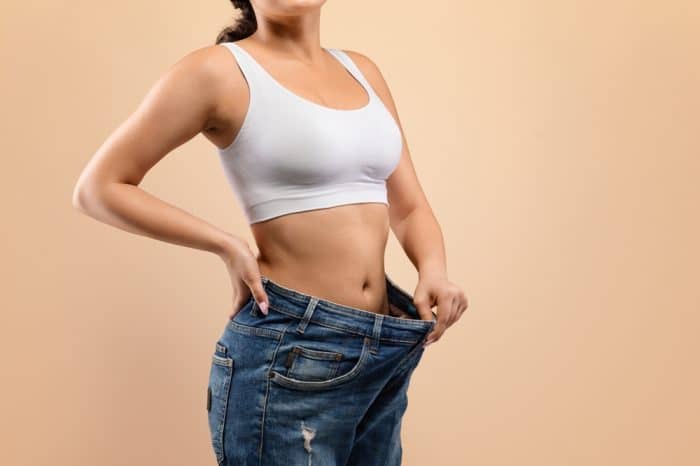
(245, 24)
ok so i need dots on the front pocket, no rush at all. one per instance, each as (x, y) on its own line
(330, 382)
(218, 391)
(304, 363)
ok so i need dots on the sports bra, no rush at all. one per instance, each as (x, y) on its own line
(293, 155)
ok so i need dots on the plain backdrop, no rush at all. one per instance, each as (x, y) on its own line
(557, 142)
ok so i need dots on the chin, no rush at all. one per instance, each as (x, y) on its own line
(291, 7)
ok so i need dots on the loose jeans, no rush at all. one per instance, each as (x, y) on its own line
(313, 383)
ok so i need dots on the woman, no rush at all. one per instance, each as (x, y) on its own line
(314, 362)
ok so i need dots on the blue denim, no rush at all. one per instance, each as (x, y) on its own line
(313, 382)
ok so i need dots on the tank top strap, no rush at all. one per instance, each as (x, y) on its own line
(259, 82)
(350, 65)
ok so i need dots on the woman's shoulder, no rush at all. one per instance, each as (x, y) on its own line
(208, 60)
(211, 67)
(371, 71)
(366, 64)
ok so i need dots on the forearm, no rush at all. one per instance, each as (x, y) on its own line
(421, 238)
(130, 208)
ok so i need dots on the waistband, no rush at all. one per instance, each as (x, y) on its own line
(301, 305)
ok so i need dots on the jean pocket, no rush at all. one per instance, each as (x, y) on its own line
(249, 320)
(309, 369)
(218, 390)
(305, 363)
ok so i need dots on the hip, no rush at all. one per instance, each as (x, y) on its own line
(310, 363)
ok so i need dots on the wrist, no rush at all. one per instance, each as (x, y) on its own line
(224, 246)
(433, 270)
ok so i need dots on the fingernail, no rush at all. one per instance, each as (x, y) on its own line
(263, 307)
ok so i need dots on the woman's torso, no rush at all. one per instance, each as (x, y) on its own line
(336, 253)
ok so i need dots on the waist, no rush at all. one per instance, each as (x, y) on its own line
(298, 304)
(337, 254)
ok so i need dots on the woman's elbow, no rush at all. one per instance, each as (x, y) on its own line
(80, 197)
(86, 195)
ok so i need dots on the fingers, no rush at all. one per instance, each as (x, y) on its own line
(451, 306)
(253, 280)
(259, 295)
(444, 316)
(463, 304)
(423, 304)
(453, 312)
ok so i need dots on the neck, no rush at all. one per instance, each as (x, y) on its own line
(297, 36)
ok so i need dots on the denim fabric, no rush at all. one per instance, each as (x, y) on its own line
(313, 383)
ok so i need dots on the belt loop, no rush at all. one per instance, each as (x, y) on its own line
(376, 333)
(313, 301)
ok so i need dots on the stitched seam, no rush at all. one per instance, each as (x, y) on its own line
(261, 331)
(404, 361)
(389, 318)
(267, 395)
(225, 391)
(345, 310)
(318, 354)
(327, 384)
(344, 329)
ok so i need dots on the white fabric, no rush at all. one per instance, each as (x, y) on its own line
(293, 155)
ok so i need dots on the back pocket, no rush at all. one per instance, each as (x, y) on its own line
(220, 375)
(305, 363)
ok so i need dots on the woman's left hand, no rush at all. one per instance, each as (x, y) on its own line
(451, 302)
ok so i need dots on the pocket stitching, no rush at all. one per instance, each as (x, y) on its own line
(226, 363)
(289, 382)
(257, 331)
(317, 355)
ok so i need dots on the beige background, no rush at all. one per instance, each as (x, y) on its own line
(558, 144)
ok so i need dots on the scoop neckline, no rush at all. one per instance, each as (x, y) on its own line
(304, 99)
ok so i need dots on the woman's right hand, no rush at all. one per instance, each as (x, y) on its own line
(245, 275)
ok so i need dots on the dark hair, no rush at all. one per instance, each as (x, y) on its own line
(245, 25)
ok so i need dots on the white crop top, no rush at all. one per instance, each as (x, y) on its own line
(293, 155)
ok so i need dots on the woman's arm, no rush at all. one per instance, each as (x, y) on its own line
(181, 104)
(414, 224)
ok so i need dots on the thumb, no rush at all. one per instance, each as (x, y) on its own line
(423, 303)
(258, 292)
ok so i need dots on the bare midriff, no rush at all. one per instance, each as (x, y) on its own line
(334, 253)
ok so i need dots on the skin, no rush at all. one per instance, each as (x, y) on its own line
(205, 92)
